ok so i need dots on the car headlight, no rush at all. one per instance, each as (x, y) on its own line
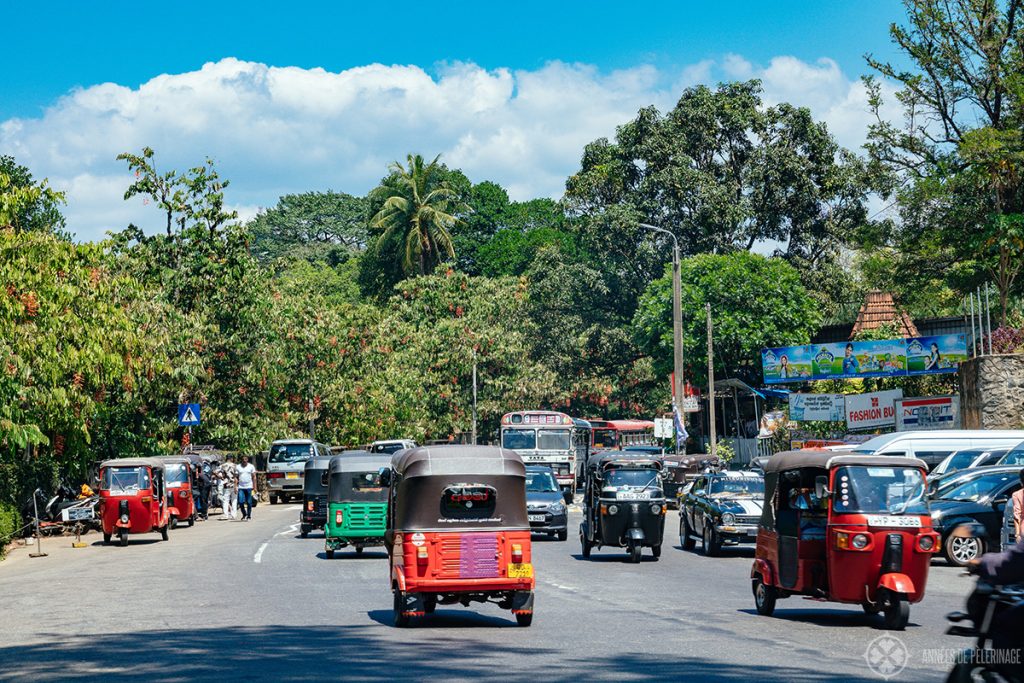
(936, 518)
(728, 518)
(612, 509)
(556, 508)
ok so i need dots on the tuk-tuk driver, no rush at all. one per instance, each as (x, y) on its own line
(812, 520)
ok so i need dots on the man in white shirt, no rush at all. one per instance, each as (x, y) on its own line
(228, 480)
(246, 487)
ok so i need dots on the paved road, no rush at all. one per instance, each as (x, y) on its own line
(229, 601)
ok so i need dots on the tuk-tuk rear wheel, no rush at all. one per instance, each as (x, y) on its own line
(359, 550)
(656, 551)
(192, 520)
(174, 522)
(401, 620)
(584, 543)
(524, 619)
(765, 597)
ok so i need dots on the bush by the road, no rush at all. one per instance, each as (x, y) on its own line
(10, 521)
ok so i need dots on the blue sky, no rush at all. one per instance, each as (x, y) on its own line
(509, 92)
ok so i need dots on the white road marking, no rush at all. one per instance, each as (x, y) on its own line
(294, 508)
(293, 529)
(258, 557)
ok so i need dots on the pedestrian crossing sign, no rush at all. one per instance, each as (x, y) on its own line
(188, 414)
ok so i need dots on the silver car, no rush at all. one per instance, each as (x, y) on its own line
(286, 462)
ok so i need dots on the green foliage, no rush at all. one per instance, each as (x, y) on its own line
(756, 302)
(512, 251)
(317, 226)
(27, 206)
(10, 522)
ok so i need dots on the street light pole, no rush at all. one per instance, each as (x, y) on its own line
(677, 326)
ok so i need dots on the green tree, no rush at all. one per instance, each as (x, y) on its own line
(313, 225)
(417, 213)
(756, 302)
(26, 205)
(953, 164)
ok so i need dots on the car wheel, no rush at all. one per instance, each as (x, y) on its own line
(765, 597)
(563, 534)
(960, 550)
(686, 541)
(429, 604)
(274, 500)
(712, 545)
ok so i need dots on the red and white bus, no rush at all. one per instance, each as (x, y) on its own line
(544, 437)
(611, 435)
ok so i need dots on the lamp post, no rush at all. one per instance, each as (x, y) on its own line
(677, 324)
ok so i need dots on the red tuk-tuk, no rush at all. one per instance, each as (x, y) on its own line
(181, 502)
(844, 528)
(133, 498)
(458, 531)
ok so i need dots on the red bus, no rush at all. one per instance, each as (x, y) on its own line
(610, 435)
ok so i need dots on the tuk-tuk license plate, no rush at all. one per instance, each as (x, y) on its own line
(291, 475)
(536, 518)
(894, 520)
(523, 570)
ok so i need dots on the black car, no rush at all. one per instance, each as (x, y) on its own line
(544, 502)
(977, 498)
(721, 508)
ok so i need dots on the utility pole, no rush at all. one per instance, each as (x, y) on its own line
(474, 397)
(677, 328)
(312, 420)
(711, 386)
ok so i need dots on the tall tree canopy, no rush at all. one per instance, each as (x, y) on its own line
(312, 225)
(25, 205)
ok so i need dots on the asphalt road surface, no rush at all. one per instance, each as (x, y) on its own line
(227, 601)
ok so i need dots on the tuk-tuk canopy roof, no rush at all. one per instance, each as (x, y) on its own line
(133, 462)
(318, 462)
(426, 461)
(628, 459)
(359, 461)
(174, 459)
(791, 460)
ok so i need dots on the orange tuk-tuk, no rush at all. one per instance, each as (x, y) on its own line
(844, 528)
(133, 498)
(458, 531)
(181, 502)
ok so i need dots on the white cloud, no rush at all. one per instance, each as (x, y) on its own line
(273, 130)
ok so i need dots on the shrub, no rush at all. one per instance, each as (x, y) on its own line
(1007, 340)
(10, 522)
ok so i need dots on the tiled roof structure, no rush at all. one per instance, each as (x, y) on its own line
(879, 309)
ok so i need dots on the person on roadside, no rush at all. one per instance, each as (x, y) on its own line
(246, 487)
(1016, 503)
(228, 474)
(202, 486)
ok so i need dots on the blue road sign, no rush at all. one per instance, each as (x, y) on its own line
(188, 414)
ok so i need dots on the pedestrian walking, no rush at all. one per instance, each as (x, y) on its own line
(246, 487)
(202, 485)
(228, 473)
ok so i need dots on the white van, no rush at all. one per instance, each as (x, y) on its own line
(934, 446)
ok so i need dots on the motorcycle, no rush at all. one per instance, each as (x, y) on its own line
(981, 662)
(50, 508)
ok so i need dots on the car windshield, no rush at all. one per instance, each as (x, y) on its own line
(751, 486)
(1014, 457)
(519, 439)
(976, 488)
(292, 452)
(605, 438)
(125, 480)
(960, 460)
(540, 482)
(554, 439)
(877, 489)
(389, 448)
(644, 478)
(176, 475)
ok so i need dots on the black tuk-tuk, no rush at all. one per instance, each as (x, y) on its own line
(623, 503)
(316, 478)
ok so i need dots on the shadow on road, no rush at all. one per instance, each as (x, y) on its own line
(354, 653)
(849, 618)
(350, 555)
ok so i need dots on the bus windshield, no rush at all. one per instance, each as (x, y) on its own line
(519, 439)
(877, 489)
(554, 439)
(605, 438)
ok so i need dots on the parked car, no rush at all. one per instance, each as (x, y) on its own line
(544, 503)
(934, 446)
(391, 446)
(1015, 456)
(977, 497)
(721, 508)
(967, 458)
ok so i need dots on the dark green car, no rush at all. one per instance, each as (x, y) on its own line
(357, 502)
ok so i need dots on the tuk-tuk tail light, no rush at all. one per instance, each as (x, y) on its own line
(517, 553)
(421, 555)
(339, 517)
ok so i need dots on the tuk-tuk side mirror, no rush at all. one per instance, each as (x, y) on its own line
(821, 487)
(385, 476)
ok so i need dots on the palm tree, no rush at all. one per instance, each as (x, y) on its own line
(418, 212)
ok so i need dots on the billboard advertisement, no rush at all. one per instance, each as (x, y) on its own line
(817, 407)
(859, 360)
(935, 412)
(877, 409)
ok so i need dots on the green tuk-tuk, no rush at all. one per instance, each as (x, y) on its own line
(357, 502)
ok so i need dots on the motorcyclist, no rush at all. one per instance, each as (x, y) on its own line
(1003, 569)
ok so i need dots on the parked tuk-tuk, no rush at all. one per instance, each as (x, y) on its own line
(357, 501)
(836, 527)
(458, 531)
(623, 503)
(680, 470)
(133, 498)
(314, 494)
(181, 503)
